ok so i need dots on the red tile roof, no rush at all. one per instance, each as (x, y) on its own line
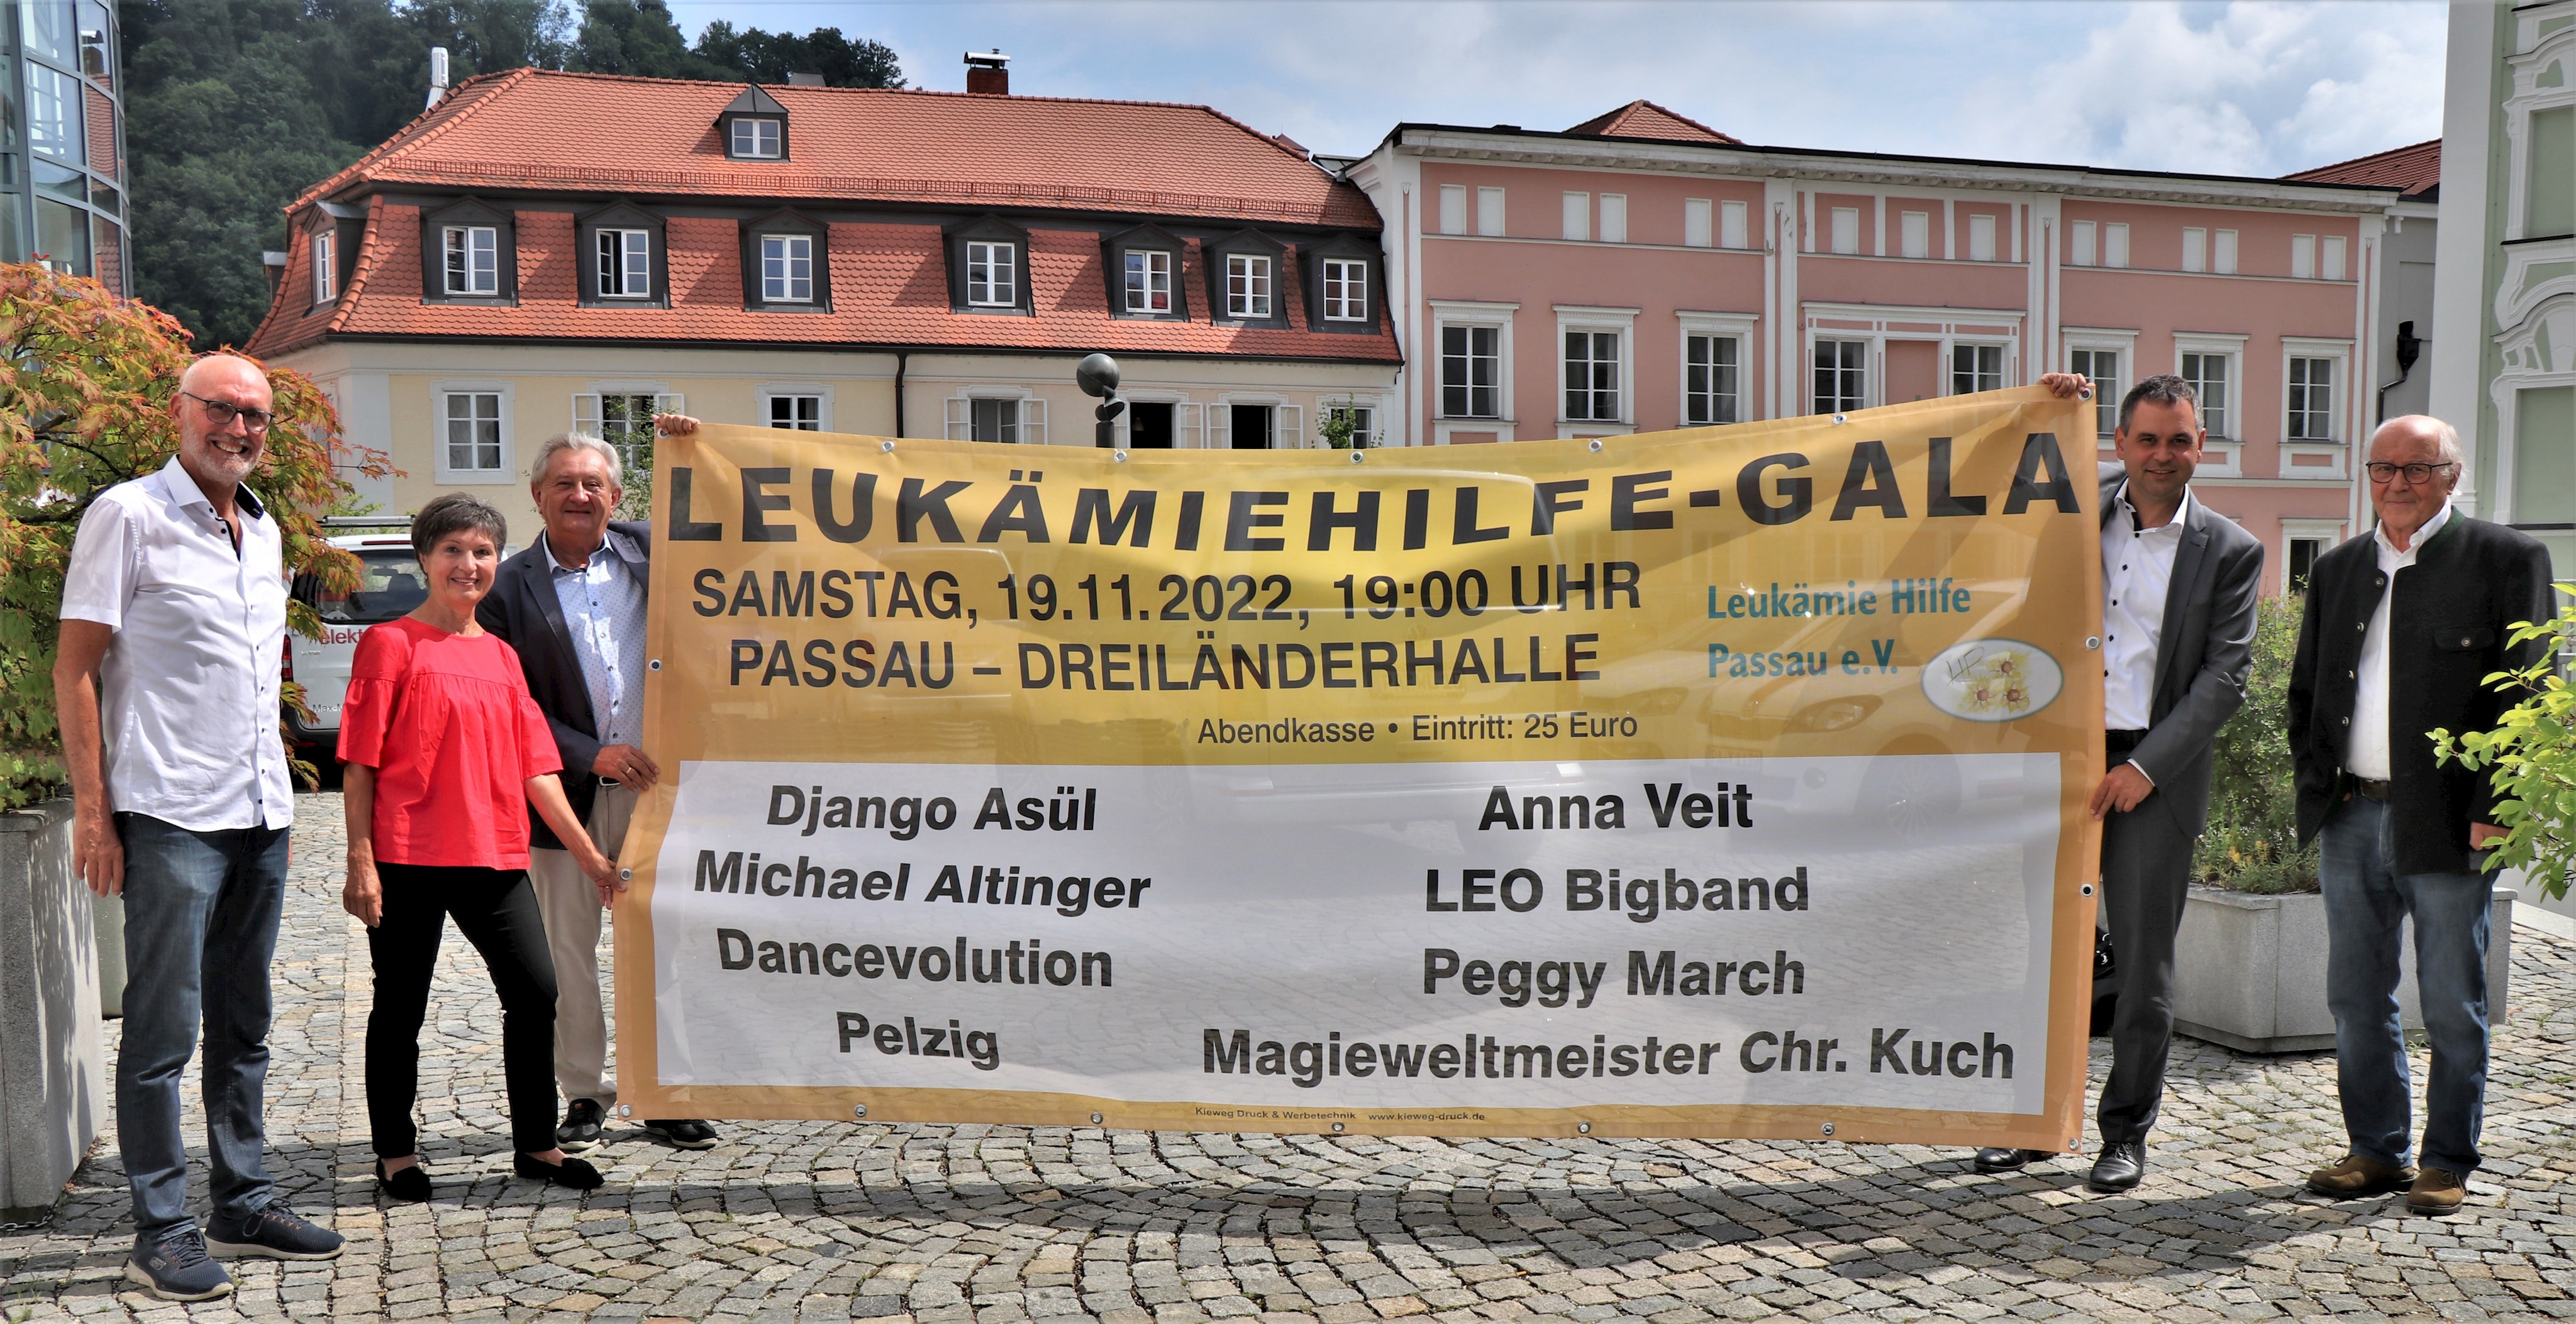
(2414, 171)
(538, 129)
(889, 286)
(1645, 119)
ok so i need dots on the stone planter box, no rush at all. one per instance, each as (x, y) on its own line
(53, 1066)
(2250, 971)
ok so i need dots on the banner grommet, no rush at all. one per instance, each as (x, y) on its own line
(859, 1110)
(888, 447)
(1583, 1128)
(1095, 1119)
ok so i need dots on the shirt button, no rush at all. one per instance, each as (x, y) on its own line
(2347, 721)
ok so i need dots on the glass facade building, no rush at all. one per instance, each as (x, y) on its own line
(62, 139)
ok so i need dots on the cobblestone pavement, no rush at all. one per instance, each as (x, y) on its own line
(998, 1225)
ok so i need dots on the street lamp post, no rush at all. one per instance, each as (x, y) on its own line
(1097, 374)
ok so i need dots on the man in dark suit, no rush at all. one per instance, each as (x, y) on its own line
(2401, 628)
(2179, 582)
(572, 607)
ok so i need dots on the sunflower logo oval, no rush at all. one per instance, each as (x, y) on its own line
(1992, 680)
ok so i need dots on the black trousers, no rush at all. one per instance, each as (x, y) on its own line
(2146, 867)
(496, 910)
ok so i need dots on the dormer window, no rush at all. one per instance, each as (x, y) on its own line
(753, 127)
(1245, 270)
(787, 268)
(326, 267)
(992, 273)
(1247, 285)
(1341, 280)
(1345, 290)
(625, 263)
(759, 139)
(786, 263)
(465, 253)
(1144, 267)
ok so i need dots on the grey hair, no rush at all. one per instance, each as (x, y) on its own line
(456, 512)
(2446, 442)
(576, 441)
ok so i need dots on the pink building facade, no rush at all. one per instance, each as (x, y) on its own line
(1643, 272)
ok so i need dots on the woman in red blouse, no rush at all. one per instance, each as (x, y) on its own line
(445, 752)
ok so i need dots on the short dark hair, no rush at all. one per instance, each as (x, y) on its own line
(2164, 389)
(456, 512)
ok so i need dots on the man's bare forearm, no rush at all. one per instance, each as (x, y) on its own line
(76, 661)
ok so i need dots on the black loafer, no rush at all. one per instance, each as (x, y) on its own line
(2121, 1166)
(2010, 1160)
(572, 1174)
(411, 1184)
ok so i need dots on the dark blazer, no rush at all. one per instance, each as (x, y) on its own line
(2448, 618)
(2203, 651)
(522, 608)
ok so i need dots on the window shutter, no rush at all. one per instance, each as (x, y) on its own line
(1220, 427)
(1290, 429)
(961, 419)
(585, 414)
(670, 404)
(1189, 423)
(1033, 423)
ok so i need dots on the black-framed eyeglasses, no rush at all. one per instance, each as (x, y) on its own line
(2381, 471)
(221, 413)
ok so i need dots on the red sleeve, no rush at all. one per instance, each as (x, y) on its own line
(375, 678)
(537, 752)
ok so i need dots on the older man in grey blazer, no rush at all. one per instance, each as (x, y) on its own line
(2179, 582)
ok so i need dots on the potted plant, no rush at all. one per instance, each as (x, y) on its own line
(85, 386)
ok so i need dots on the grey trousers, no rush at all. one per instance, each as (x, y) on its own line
(570, 906)
(2146, 867)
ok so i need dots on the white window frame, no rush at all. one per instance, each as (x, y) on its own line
(1843, 238)
(1286, 421)
(2222, 252)
(1453, 209)
(2333, 252)
(1499, 317)
(2337, 448)
(1578, 216)
(1699, 223)
(1982, 227)
(999, 262)
(1256, 299)
(1614, 218)
(1490, 219)
(502, 474)
(1870, 349)
(1950, 361)
(1734, 224)
(785, 287)
(1373, 404)
(2115, 245)
(2223, 458)
(1914, 234)
(452, 239)
(1154, 282)
(819, 392)
(589, 415)
(2095, 340)
(1714, 326)
(2328, 531)
(2303, 257)
(1189, 419)
(1340, 276)
(1589, 320)
(632, 245)
(773, 149)
(2195, 248)
(1030, 427)
(326, 266)
(2079, 243)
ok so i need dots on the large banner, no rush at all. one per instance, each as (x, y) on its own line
(1727, 782)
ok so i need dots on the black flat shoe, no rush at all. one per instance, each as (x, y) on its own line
(2010, 1160)
(571, 1174)
(2120, 1167)
(410, 1184)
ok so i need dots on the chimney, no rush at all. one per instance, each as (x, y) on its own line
(437, 76)
(988, 73)
(274, 263)
(804, 80)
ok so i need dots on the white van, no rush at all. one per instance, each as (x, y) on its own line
(389, 585)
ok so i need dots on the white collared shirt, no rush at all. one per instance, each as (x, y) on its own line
(188, 694)
(2137, 573)
(603, 611)
(2366, 754)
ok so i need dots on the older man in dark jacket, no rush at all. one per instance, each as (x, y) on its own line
(2400, 631)
(572, 606)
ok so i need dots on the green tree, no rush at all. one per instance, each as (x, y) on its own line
(85, 388)
(764, 57)
(2252, 842)
(637, 37)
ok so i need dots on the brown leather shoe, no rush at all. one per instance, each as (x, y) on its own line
(2436, 1192)
(2359, 1175)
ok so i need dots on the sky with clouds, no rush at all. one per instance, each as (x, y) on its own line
(2227, 88)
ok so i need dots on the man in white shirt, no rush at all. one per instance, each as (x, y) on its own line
(2399, 632)
(166, 680)
(2179, 583)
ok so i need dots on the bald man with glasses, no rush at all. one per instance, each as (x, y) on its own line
(2400, 629)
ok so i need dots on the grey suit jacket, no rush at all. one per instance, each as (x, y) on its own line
(2203, 651)
(522, 608)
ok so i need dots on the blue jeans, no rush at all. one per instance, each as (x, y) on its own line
(2365, 902)
(201, 911)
